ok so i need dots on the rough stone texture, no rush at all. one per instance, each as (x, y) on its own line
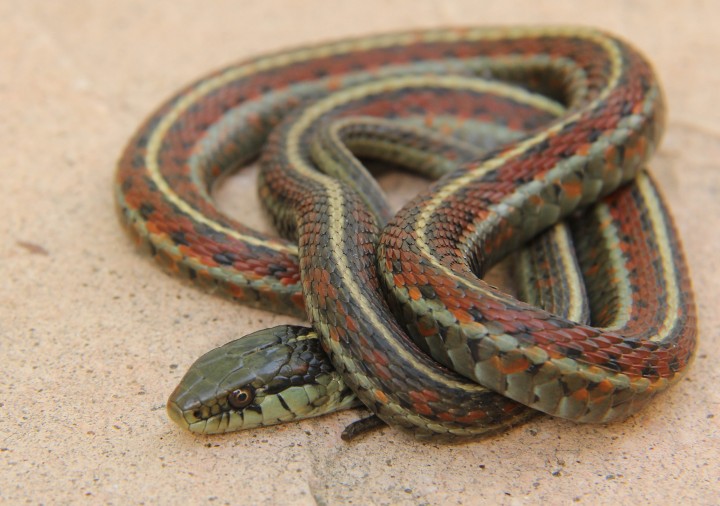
(94, 336)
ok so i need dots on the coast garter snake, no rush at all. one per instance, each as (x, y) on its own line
(574, 114)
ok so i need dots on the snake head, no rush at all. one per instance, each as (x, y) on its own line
(272, 376)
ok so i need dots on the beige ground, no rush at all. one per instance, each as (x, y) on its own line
(94, 336)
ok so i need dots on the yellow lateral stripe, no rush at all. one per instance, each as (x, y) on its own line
(660, 229)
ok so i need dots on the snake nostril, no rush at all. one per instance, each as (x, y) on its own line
(198, 414)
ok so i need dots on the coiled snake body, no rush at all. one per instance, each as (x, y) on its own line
(583, 111)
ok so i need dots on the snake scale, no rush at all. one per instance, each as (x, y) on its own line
(397, 301)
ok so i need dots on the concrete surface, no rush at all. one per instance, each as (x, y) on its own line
(93, 336)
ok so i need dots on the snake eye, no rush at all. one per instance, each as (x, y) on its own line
(241, 397)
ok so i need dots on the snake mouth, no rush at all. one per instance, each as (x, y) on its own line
(186, 419)
(191, 416)
(176, 415)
